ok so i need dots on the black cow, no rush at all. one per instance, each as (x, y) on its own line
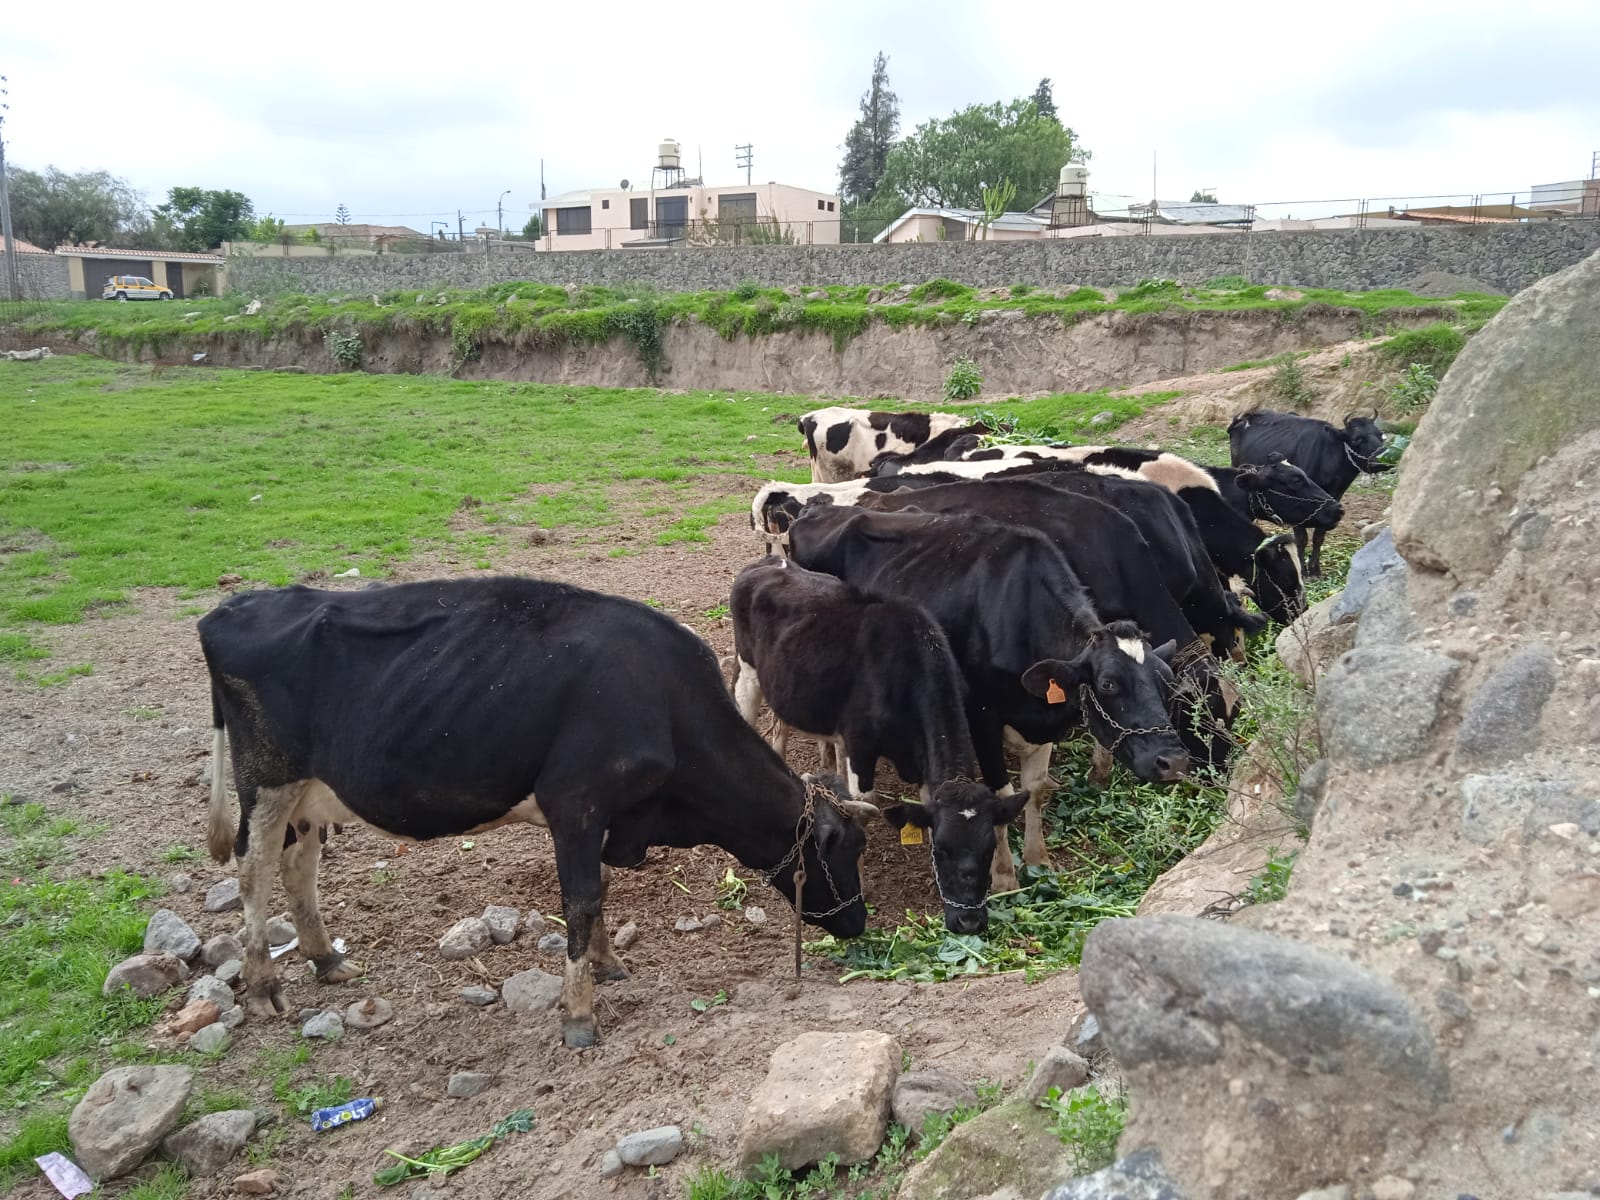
(1331, 456)
(1036, 657)
(1275, 491)
(441, 708)
(842, 442)
(877, 673)
(957, 443)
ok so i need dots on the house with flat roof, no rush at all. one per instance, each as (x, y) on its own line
(689, 214)
(179, 271)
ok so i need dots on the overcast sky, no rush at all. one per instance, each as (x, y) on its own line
(410, 113)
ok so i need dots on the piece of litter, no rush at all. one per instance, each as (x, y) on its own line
(468, 845)
(280, 951)
(65, 1174)
(338, 944)
(254, 498)
(352, 573)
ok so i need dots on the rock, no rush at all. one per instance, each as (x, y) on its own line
(1503, 716)
(479, 997)
(1308, 793)
(920, 1093)
(145, 975)
(180, 883)
(1386, 620)
(212, 1039)
(369, 1013)
(280, 930)
(231, 1018)
(552, 943)
(220, 949)
(466, 937)
(1060, 1068)
(464, 1085)
(124, 1115)
(1013, 1144)
(825, 1093)
(534, 922)
(1103, 418)
(252, 308)
(1492, 805)
(1140, 1176)
(626, 936)
(206, 1146)
(223, 896)
(38, 354)
(755, 914)
(1505, 403)
(1086, 1039)
(209, 987)
(258, 1183)
(610, 1165)
(696, 924)
(502, 922)
(652, 1147)
(1342, 1192)
(1313, 641)
(167, 933)
(1284, 294)
(229, 971)
(197, 1014)
(1392, 1187)
(1411, 683)
(323, 1025)
(1367, 565)
(531, 991)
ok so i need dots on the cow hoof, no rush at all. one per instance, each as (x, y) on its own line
(579, 1034)
(611, 972)
(266, 1002)
(336, 968)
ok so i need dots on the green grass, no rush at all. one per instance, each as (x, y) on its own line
(169, 1182)
(61, 937)
(1434, 346)
(1089, 1123)
(175, 481)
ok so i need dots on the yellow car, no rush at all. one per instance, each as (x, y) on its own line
(133, 287)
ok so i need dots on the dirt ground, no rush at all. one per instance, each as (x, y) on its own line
(125, 749)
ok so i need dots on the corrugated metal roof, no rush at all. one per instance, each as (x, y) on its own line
(971, 216)
(140, 255)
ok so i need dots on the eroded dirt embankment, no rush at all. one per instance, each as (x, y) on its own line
(1017, 354)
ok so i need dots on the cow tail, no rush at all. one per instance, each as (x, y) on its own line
(219, 823)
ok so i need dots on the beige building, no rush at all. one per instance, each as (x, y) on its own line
(181, 273)
(690, 215)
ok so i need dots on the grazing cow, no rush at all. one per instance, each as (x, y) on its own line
(842, 442)
(957, 443)
(441, 708)
(1123, 574)
(877, 673)
(1036, 657)
(1331, 456)
(779, 502)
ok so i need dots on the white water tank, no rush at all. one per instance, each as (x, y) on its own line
(669, 155)
(1074, 180)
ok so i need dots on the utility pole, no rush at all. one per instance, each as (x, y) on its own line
(461, 227)
(743, 156)
(13, 285)
(499, 212)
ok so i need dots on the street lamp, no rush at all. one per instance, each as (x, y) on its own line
(441, 224)
(499, 212)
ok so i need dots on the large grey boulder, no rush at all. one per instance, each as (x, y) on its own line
(825, 1093)
(1140, 1176)
(1314, 640)
(125, 1114)
(1502, 719)
(1378, 705)
(1013, 1145)
(1367, 565)
(1511, 398)
(208, 1145)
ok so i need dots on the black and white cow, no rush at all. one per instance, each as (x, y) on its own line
(877, 673)
(441, 708)
(842, 442)
(1331, 456)
(1036, 657)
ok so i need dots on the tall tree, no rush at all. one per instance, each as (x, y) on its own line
(342, 215)
(867, 145)
(1044, 101)
(202, 219)
(1201, 197)
(52, 207)
(534, 229)
(947, 162)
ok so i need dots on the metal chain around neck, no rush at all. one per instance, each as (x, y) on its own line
(939, 887)
(803, 829)
(1087, 697)
(1359, 461)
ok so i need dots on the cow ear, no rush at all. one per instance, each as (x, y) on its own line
(1054, 679)
(1008, 808)
(901, 815)
(1249, 480)
(1274, 458)
(1166, 650)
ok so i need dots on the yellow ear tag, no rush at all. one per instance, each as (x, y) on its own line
(1054, 694)
(910, 835)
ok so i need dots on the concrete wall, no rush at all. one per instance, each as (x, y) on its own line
(43, 277)
(1507, 257)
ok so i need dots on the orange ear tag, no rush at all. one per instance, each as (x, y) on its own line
(1054, 694)
(910, 835)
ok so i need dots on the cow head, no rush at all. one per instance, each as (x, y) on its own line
(831, 897)
(1123, 683)
(960, 820)
(1281, 492)
(1277, 585)
(1364, 442)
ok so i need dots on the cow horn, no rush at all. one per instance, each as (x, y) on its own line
(859, 811)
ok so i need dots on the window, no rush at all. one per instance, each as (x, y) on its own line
(573, 220)
(738, 207)
(830, 205)
(819, 205)
(639, 212)
(605, 204)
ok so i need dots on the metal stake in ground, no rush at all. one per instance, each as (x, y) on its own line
(799, 910)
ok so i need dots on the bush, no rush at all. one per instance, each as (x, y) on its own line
(964, 380)
(1229, 283)
(747, 290)
(344, 348)
(1415, 389)
(1289, 382)
(1155, 289)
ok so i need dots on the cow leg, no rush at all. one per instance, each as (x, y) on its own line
(1100, 766)
(1034, 774)
(300, 863)
(1316, 551)
(269, 810)
(861, 771)
(747, 692)
(988, 743)
(603, 961)
(1300, 532)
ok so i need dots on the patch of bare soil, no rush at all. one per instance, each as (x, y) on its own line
(125, 748)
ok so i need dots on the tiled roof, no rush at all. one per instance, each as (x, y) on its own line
(140, 255)
(23, 247)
